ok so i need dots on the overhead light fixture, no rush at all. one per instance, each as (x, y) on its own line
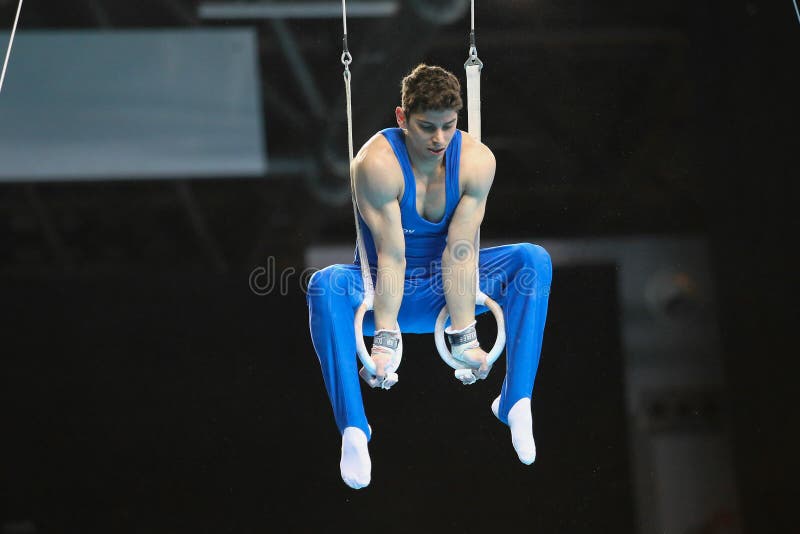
(295, 10)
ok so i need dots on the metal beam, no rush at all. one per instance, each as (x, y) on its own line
(49, 229)
(299, 67)
(295, 10)
(592, 36)
(198, 222)
(183, 12)
(100, 13)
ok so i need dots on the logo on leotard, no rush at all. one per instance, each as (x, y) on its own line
(408, 231)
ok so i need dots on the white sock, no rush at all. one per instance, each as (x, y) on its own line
(520, 422)
(355, 464)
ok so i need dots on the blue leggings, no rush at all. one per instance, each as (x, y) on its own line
(516, 276)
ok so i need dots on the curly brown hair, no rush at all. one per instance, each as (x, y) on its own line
(429, 87)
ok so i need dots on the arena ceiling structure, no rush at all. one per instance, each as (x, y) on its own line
(590, 110)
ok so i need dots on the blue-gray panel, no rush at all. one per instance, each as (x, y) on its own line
(93, 104)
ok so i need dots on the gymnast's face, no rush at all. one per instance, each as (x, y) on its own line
(427, 132)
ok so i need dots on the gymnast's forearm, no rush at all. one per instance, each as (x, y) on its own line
(388, 289)
(458, 278)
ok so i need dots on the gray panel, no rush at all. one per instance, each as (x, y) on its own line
(84, 105)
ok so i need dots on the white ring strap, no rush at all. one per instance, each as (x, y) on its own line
(10, 44)
(473, 67)
(366, 277)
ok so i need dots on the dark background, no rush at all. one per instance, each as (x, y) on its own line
(146, 389)
(215, 419)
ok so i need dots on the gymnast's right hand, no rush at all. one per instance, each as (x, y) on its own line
(384, 349)
(383, 361)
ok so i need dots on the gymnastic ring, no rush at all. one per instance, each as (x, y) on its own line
(499, 342)
(361, 348)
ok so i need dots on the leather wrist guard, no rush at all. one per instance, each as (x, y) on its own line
(462, 340)
(388, 340)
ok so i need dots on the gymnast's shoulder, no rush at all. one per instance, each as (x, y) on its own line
(376, 168)
(477, 165)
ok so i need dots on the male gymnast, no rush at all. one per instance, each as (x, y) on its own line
(421, 191)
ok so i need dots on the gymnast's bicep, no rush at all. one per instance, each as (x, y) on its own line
(377, 196)
(472, 205)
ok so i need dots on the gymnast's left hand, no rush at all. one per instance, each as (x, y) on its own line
(382, 357)
(478, 361)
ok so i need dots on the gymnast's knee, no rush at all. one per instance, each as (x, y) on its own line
(535, 258)
(327, 284)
